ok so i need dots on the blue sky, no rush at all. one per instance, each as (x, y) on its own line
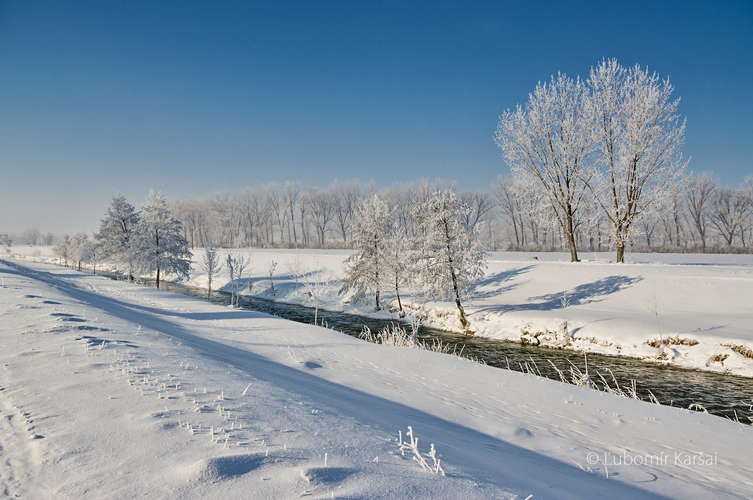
(195, 97)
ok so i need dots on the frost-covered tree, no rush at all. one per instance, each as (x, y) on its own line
(32, 236)
(159, 245)
(79, 248)
(5, 242)
(638, 136)
(62, 248)
(699, 195)
(345, 199)
(365, 270)
(747, 226)
(480, 205)
(292, 195)
(295, 269)
(729, 210)
(547, 143)
(271, 267)
(116, 233)
(509, 208)
(317, 285)
(399, 260)
(275, 200)
(210, 263)
(236, 264)
(94, 253)
(322, 211)
(451, 258)
(672, 211)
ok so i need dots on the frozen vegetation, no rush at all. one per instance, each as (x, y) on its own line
(114, 390)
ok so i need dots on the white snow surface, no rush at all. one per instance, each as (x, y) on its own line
(704, 302)
(113, 390)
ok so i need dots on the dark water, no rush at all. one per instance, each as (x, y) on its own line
(723, 395)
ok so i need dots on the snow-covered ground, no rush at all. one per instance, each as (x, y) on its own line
(113, 390)
(688, 310)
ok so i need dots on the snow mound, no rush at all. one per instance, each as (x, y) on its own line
(325, 474)
(212, 470)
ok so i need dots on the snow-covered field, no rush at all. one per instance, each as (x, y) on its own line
(700, 306)
(113, 390)
(100, 378)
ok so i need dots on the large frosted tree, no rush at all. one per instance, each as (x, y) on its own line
(638, 137)
(546, 144)
(159, 245)
(451, 258)
(366, 270)
(117, 231)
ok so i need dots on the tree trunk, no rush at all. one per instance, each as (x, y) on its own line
(620, 252)
(571, 238)
(158, 278)
(397, 292)
(463, 320)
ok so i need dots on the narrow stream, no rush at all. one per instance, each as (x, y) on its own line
(723, 395)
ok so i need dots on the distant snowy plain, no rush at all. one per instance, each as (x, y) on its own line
(113, 390)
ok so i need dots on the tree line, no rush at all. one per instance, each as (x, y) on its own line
(290, 215)
(696, 214)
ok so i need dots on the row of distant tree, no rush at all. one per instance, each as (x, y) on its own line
(290, 215)
(32, 236)
(696, 214)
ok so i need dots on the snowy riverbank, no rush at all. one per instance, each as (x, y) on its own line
(688, 310)
(113, 390)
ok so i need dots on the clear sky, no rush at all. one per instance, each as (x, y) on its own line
(191, 97)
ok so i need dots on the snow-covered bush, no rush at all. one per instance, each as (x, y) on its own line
(412, 445)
